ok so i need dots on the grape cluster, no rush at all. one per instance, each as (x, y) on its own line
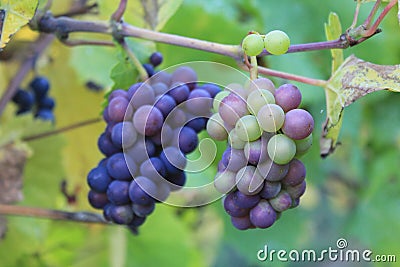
(260, 172)
(36, 99)
(150, 129)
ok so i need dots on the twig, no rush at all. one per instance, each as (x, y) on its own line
(79, 10)
(356, 13)
(293, 77)
(117, 16)
(378, 21)
(368, 21)
(61, 130)
(84, 217)
(77, 42)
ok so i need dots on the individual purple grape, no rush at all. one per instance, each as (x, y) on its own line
(98, 179)
(106, 116)
(242, 223)
(179, 92)
(143, 210)
(296, 173)
(148, 120)
(232, 108)
(106, 146)
(270, 190)
(271, 171)
(185, 75)
(197, 124)
(295, 202)
(123, 134)
(163, 137)
(232, 209)
(156, 59)
(160, 89)
(211, 88)
(178, 180)
(40, 86)
(298, 124)
(117, 192)
(24, 99)
(245, 201)
(46, 103)
(118, 92)
(149, 69)
(153, 168)
(260, 84)
(103, 163)
(142, 190)
(296, 191)
(249, 181)
(173, 160)
(132, 90)
(177, 118)
(141, 150)
(143, 95)
(281, 202)
(117, 108)
(234, 159)
(161, 77)
(263, 215)
(165, 103)
(136, 222)
(199, 102)
(256, 151)
(121, 214)
(121, 167)
(288, 96)
(45, 114)
(107, 211)
(188, 140)
(97, 200)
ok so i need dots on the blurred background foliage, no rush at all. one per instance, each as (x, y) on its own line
(352, 194)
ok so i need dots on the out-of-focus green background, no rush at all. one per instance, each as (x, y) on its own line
(352, 194)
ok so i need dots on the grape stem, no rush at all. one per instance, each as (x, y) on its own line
(253, 68)
(84, 217)
(142, 72)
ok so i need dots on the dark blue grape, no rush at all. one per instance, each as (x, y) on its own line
(197, 124)
(136, 222)
(231, 208)
(153, 168)
(178, 179)
(148, 120)
(24, 99)
(118, 192)
(45, 114)
(132, 90)
(211, 88)
(143, 210)
(103, 163)
(97, 200)
(296, 173)
(179, 92)
(270, 189)
(121, 167)
(106, 146)
(142, 190)
(199, 102)
(245, 201)
(46, 103)
(121, 214)
(149, 69)
(107, 211)
(40, 86)
(106, 116)
(98, 179)
(123, 134)
(173, 159)
(185, 75)
(156, 59)
(165, 103)
(188, 140)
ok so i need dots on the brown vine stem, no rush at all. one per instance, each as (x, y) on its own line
(117, 16)
(378, 21)
(293, 77)
(77, 42)
(84, 217)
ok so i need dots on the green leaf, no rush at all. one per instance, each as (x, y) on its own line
(331, 129)
(355, 78)
(14, 15)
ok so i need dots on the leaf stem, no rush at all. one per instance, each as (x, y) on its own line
(293, 77)
(84, 217)
(142, 72)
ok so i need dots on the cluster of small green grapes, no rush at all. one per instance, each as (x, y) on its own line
(275, 42)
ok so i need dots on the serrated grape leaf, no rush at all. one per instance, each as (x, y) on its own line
(13, 15)
(354, 79)
(330, 132)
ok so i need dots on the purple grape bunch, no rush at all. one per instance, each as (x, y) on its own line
(150, 129)
(267, 132)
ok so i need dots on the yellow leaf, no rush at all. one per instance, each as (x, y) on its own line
(13, 15)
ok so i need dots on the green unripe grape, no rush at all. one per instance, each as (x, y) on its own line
(258, 99)
(253, 44)
(247, 128)
(215, 128)
(234, 140)
(271, 118)
(303, 145)
(218, 98)
(281, 149)
(276, 42)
